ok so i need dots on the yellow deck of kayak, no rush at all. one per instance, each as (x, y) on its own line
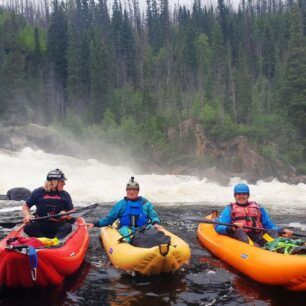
(261, 265)
(146, 261)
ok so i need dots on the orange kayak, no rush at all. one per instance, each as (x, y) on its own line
(53, 263)
(263, 266)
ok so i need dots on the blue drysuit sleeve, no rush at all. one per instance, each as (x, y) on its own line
(151, 212)
(225, 217)
(266, 221)
(114, 214)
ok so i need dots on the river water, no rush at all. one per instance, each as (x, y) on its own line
(204, 281)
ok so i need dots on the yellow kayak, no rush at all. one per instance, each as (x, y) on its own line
(146, 261)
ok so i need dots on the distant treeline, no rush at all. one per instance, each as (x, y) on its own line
(127, 76)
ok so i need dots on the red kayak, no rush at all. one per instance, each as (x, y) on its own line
(43, 266)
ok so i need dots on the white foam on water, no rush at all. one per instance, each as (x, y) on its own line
(92, 181)
(8, 209)
(299, 225)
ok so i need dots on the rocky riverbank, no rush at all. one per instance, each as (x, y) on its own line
(236, 157)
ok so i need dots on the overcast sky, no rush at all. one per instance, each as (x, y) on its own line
(142, 3)
(188, 3)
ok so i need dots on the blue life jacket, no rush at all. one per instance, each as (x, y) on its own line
(134, 216)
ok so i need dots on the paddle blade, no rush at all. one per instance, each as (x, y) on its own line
(81, 212)
(299, 235)
(199, 219)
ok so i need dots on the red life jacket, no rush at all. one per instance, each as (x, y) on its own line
(248, 215)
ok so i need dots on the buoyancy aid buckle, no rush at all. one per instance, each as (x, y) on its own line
(133, 221)
(164, 249)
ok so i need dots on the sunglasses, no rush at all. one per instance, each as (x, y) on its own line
(239, 194)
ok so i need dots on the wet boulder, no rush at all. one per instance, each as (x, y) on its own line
(18, 194)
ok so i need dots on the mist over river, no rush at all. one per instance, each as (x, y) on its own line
(92, 181)
(205, 281)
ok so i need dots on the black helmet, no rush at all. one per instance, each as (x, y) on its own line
(56, 175)
(132, 184)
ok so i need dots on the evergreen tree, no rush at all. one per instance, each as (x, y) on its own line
(101, 75)
(164, 21)
(238, 71)
(57, 41)
(129, 50)
(223, 16)
(294, 95)
(57, 47)
(153, 25)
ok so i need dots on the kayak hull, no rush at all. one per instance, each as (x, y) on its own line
(54, 264)
(145, 261)
(263, 266)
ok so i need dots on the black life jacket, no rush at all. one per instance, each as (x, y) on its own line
(50, 204)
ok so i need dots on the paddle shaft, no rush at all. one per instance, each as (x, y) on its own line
(232, 225)
(141, 229)
(246, 227)
(12, 224)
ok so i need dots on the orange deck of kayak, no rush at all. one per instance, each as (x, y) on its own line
(260, 265)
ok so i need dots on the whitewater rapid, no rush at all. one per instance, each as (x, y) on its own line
(91, 181)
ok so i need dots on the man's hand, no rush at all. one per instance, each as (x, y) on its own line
(26, 213)
(27, 219)
(89, 226)
(62, 218)
(237, 225)
(157, 226)
(287, 233)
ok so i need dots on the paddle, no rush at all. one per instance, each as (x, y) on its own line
(76, 213)
(141, 229)
(204, 220)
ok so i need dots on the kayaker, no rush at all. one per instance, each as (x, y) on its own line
(51, 199)
(243, 212)
(133, 212)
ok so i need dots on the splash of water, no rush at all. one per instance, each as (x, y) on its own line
(92, 181)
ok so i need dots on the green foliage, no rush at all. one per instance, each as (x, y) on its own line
(112, 75)
(72, 124)
(209, 115)
(154, 131)
(301, 169)
(189, 160)
(3, 16)
(126, 135)
(109, 121)
(294, 89)
(270, 151)
(294, 155)
(218, 127)
(27, 38)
